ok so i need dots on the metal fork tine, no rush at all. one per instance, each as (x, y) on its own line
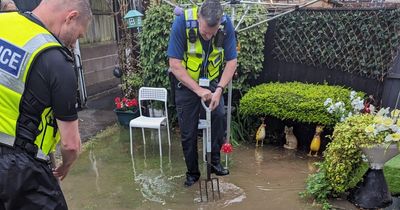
(212, 189)
(219, 192)
(205, 182)
(201, 195)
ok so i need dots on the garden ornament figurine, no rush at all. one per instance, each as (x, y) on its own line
(316, 141)
(260, 135)
(291, 140)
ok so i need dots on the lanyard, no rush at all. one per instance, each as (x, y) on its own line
(205, 62)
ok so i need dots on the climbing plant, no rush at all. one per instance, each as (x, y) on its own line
(362, 42)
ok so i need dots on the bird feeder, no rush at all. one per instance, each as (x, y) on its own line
(133, 19)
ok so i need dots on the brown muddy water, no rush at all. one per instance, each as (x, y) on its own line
(107, 177)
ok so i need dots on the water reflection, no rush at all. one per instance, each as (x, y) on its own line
(93, 161)
(154, 184)
(110, 178)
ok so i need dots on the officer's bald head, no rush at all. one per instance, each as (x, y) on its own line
(66, 19)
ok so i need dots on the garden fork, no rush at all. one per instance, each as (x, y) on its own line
(204, 183)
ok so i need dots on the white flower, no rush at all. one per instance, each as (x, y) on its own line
(392, 137)
(381, 127)
(383, 112)
(395, 128)
(327, 101)
(372, 108)
(330, 109)
(338, 104)
(370, 129)
(352, 95)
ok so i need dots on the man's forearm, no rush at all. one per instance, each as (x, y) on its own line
(228, 72)
(181, 74)
(70, 141)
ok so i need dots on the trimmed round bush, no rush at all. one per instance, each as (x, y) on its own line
(295, 101)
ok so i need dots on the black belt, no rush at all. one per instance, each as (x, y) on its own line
(30, 148)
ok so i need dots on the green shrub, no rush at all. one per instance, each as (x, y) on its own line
(318, 188)
(295, 101)
(154, 43)
(343, 166)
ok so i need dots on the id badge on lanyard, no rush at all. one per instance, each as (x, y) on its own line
(204, 82)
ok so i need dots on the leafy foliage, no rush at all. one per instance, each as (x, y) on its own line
(154, 43)
(362, 42)
(343, 166)
(295, 101)
(240, 127)
(343, 156)
(318, 188)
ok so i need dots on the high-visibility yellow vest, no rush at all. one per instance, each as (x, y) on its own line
(21, 41)
(194, 55)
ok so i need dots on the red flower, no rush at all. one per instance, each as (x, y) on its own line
(119, 105)
(124, 104)
(227, 148)
(134, 102)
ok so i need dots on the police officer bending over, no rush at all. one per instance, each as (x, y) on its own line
(200, 40)
(37, 101)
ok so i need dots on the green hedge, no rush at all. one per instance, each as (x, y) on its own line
(295, 101)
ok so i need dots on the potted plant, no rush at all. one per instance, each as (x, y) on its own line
(343, 166)
(126, 110)
(380, 145)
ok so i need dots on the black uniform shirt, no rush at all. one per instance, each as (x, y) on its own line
(51, 83)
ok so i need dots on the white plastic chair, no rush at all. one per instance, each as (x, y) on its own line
(151, 94)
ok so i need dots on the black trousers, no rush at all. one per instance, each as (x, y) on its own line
(26, 183)
(188, 107)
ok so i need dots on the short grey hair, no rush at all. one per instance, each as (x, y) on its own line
(83, 6)
(211, 11)
(6, 5)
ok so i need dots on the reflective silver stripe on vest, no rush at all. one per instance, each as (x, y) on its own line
(30, 47)
(7, 139)
(192, 46)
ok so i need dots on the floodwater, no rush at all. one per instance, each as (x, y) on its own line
(106, 176)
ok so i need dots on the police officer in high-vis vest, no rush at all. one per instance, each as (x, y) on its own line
(201, 40)
(37, 101)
